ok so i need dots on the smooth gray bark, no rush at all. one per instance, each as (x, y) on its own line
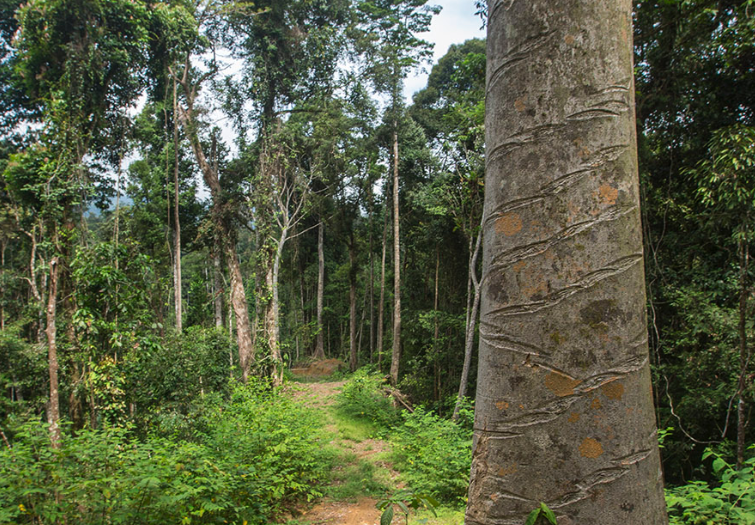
(564, 410)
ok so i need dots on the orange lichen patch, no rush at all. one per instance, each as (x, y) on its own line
(561, 384)
(569, 39)
(537, 288)
(502, 405)
(584, 153)
(590, 448)
(573, 417)
(608, 194)
(613, 390)
(519, 266)
(509, 224)
(494, 496)
(596, 404)
(505, 471)
(519, 103)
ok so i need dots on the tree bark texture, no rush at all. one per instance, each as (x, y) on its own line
(564, 410)
(396, 353)
(320, 343)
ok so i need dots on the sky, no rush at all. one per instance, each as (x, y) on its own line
(455, 24)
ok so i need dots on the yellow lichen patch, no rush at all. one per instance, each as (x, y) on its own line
(569, 39)
(596, 404)
(561, 384)
(574, 417)
(505, 471)
(608, 194)
(613, 390)
(509, 224)
(519, 103)
(590, 448)
(502, 405)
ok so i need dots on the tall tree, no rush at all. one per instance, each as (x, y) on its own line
(392, 49)
(564, 409)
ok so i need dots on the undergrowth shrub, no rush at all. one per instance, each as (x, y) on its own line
(261, 453)
(363, 397)
(731, 501)
(434, 454)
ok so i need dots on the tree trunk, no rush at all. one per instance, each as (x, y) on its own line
(396, 353)
(471, 325)
(381, 302)
(176, 221)
(371, 278)
(274, 339)
(564, 411)
(352, 306)
(436, 331)
(53, 409)
(744, 357)
(238, 294)
(320, 345)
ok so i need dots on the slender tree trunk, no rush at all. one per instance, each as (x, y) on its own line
(275, 349)
(471, 325)
(744, 356)
(238, 294)
(396, 353)
(53, 410)
(436, 331)
(564, 407)
(2, 280)
(176, 220)
(381, 302)
(217, 286)
(320, 345)
(352, 305)
(371, 282)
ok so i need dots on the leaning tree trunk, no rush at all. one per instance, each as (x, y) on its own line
(564, 402)
(176, 221)
(396, 353)
(320, 344)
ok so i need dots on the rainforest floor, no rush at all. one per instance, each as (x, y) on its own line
(362, 473)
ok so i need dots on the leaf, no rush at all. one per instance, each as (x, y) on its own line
(387, 516)
(532, 518)
(548, 513)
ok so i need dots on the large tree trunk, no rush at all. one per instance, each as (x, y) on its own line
(217, 286)
(396, 353)
(564, 410)
(352, 305)
(53, 409)
(320, 344)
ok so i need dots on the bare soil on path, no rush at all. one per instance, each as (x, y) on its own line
(329, 510)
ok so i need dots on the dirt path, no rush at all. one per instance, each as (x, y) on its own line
(363, 456)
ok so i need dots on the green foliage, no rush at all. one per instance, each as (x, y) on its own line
(729, 501)
(261, 452)
(363, 397)
(541, 515)
(434, 455)
(404, 500)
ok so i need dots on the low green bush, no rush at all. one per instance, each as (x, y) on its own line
(362, 397)
(731, 501)
(434, 455)
(261, 453)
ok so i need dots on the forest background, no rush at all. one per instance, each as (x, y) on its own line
(133, 324)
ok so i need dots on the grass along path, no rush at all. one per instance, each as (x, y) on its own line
(362, 472)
